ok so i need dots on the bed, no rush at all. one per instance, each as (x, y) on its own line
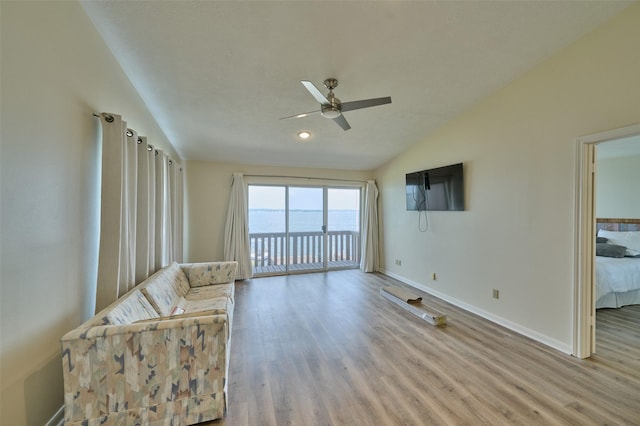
(617, 278)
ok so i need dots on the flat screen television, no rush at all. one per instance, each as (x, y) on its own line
(439, 189)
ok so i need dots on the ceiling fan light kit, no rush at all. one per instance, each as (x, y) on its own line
(332, 108)
(330, 111)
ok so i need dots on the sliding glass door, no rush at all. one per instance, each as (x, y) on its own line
(343, 228)
(306, 215)
(268, 229)
(303, 228)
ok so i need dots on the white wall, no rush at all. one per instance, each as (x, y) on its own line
(617, 191)
(56, 72)
(208, 189)
(518, 146)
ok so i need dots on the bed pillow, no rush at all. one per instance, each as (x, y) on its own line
(628, 239)
(601, 240)
(632, 253)
(610, 250)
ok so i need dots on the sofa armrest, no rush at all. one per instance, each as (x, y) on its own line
(209, 273)
(118, 368)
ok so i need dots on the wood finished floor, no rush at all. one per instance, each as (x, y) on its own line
(327, 349)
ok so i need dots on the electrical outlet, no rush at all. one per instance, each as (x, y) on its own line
(433, 276)
(398, 262)
(496, 293)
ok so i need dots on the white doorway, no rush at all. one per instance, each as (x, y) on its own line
(584, 343)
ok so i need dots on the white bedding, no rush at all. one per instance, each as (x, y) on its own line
(616, 275)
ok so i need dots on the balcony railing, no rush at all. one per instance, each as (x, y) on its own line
(270, 253)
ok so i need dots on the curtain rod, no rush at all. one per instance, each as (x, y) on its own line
(305, 177)
(149, 146)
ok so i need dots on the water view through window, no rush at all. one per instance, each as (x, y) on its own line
(300, 213)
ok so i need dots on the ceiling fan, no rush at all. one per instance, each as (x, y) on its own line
(331, 107)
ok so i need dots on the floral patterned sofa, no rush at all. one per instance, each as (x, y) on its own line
(158, 355)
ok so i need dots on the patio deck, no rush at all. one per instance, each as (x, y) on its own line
(303, 267)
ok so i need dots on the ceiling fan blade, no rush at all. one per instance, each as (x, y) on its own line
(342, 122)
(365, 103)
(317, 94)
(304, 114)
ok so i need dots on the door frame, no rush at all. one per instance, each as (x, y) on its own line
(584, 283)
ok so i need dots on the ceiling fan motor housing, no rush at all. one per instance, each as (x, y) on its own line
(333, 109)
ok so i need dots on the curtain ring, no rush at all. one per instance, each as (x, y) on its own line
(171, 162)
(149, 148)
(109, 118)
(156, 152)
(129, 132)
(139, 140)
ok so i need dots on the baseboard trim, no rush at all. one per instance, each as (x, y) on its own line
(57, 419)
(518, 328)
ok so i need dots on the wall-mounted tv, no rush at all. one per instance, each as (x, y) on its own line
(440, 189)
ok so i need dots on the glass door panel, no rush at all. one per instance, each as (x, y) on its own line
(267, 229)
(343, 221)
(306, 218)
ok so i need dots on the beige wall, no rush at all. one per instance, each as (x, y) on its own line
(519, 150)
(617, 193)
(56, 72)
(207, 193)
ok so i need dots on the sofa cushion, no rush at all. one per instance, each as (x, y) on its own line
(211, 292)
(218, 305)
(201, 274)
(175, 274)
(132, 308)
(165, 288)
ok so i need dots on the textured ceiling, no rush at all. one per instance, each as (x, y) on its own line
(218, 76)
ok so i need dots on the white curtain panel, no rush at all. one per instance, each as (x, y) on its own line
(129, 212)
(143, 212)
(116, 262)
(168, 210)
(176, 182)
(138, 199)
(113, 143)
(151, 184)
(178, 251)
(370, 255)
(236, 231)
(163, 247)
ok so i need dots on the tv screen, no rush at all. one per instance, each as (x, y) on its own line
(439, 189)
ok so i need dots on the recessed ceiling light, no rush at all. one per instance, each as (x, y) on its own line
(304, 135)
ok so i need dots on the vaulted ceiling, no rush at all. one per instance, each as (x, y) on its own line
(218, 76)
